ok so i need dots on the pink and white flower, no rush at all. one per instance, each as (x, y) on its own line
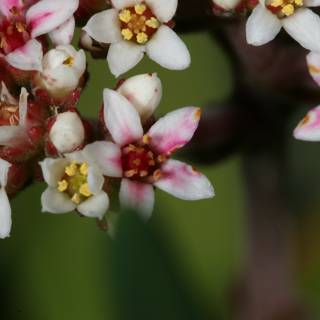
(301, 23)
(143, 160)
(135, 27)
(20, 25)
(74, 183)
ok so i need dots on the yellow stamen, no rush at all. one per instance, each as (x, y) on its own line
(298, 2)
(20, 27)
(146, 139)
(125, 16)
(62, 185)
(127, 34)
(276, 3)
(84, 169)
(288, 10)
(69, 61)
(140, 8)
(142, 37)
(76, 198)
(71, 170)
(84, 190)
(154, 23)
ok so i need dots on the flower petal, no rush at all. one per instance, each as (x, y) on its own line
(163, 9)
(144, 92)
(4, 171)
(304, 27)
(95, 207)
(46, 15)
(184, 182)
(262, 26)
(311, 3)
(309, 128)
(54, 201)
(11, 135)
(7, 5)
(174, 130)
(104, 26)
(28, 57)
(5, 215)
(120, 4)
(168, 50)
(95, 180)
(123, 56)
(23, 107)
(53, 170)
(313, 61)
(76, 156)
(64, 33)
(106, 156)
(6, 96)
(121, 118)
(138, 196)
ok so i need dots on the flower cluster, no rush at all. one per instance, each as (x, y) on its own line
(127, 151)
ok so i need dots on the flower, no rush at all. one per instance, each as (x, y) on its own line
(309, 127)
(135, 27)
(143, 160)
(20, 26)
(62, 68)
(73, 184)
(270, 16)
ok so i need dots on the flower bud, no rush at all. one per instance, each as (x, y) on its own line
(227, 4)
(62, 69)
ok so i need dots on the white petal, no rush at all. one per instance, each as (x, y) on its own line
(104, 26)
(123, 56)
(227, 4)
(120, 4)
(163, 9)
(64, 33)
(121, 118)
(11, 135)
(95, 207)
(54, 201)
(7, 5)
(311, 3)
(313, 61)
(47, 15)
(106, 156)
(184, 182)
(4, 171)
(168, 50)
(138, 196)
(28, 57)
(23, 107)
(53, 170)
(76, 156)
(262, 26)
(5, 215)
(304, 27)
(95, 180)
(174, 130)
(6, 96)
(144, 92)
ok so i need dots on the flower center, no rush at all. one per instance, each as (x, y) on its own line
(140, 162)
(69, 61)
(138, 23)
(75, 182)
(284, 8)
(13, 32)
(9, 114)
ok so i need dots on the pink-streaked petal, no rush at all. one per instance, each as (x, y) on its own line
(54, 201)
(96, 206)
(121, 118)
(138, 196)
(168, 50)
(28, 57)
(5, 215)
(4, 171)
(304, 27)
(7, 5)
(23, 107)
(123, 56)
(184, 182)
(120, 4)
(106, 156)
(163, 9)
(104, 26)
(309, 128)
(47, 15)
(313, 62)
(262, 26)
(174, 130)
(64, 33)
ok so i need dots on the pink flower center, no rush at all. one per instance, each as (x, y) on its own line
(13, 31)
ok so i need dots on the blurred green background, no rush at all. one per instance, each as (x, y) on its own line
(61, 266)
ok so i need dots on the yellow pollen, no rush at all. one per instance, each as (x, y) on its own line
(142, 37)
(76, 198)
(20, 27)
(298, 2)
(153, 23)
(140, 8)
(127, 34)
(62, 185)
(288, 10)
(276, 3)
(125, 16)
(69, 61)
(84, 169)
(146, 139)
(72, 169)
(84, 190)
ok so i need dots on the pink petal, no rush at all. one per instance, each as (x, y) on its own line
(7, 5)
(47, 15)
(313, 61)
(184, 182)
(138, 196)
(64, 33)
(121, 118)
(174, 130)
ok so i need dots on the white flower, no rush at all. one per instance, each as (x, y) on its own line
(5, 209)
(62, 69)
(135, 27)
(270, 16)
(74, 184)
(21, 24)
